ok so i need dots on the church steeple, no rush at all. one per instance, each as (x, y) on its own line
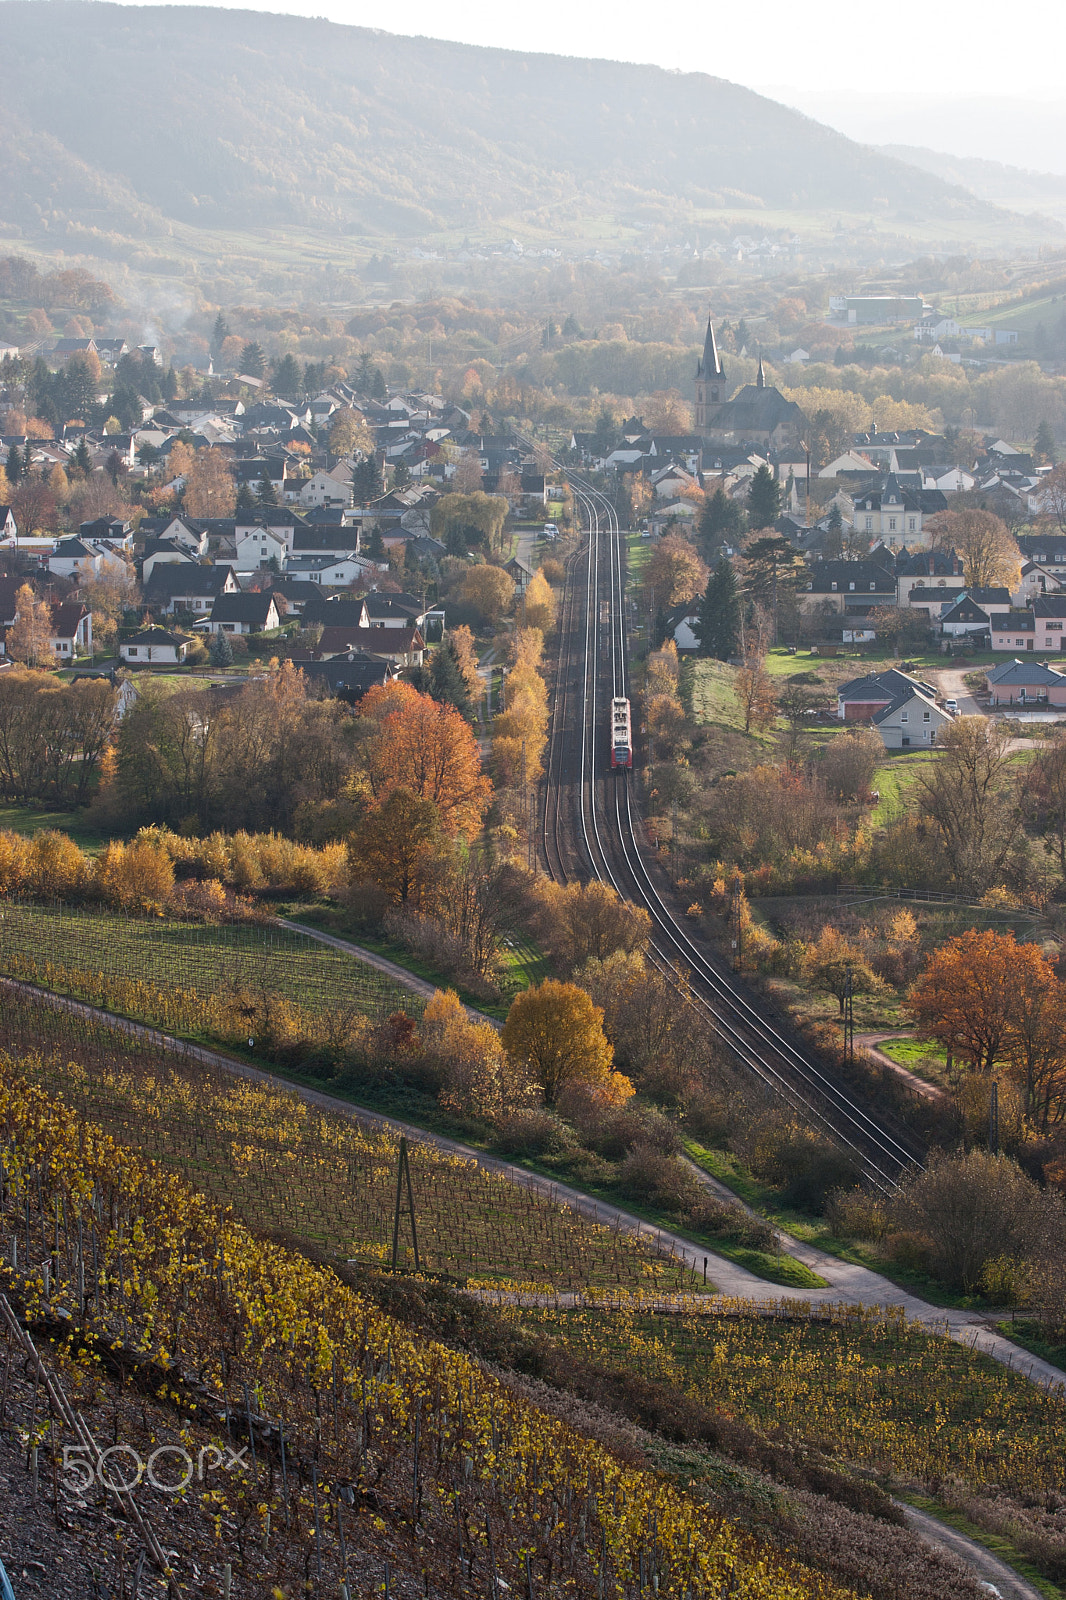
(760, 376)
(710, 366)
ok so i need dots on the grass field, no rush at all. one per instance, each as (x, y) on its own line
(33, 819)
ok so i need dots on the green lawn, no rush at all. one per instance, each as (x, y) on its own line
(33, 819)
(895, 780)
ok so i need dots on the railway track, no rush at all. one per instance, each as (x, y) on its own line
(590, 826)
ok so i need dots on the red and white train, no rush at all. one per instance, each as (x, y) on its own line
(621, 734)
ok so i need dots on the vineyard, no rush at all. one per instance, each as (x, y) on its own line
(362, 1437)
(196, 979)
(861, 1387)
(288, 1167)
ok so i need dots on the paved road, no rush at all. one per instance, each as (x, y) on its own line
(950, 682)
(846, 1282)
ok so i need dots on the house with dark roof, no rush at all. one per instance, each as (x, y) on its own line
(1019, 683)
(243, 613)
(844, 585)
(1013, 630)
(349, 677)
(155, 647)
(188, 587)
(72, 630)
(911, 718)
(862, 699)
(972, 613)
(897, 513)
(681, 624)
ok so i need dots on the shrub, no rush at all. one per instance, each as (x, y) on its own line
(804, 1165)
(533, 1132)
(648, 1173)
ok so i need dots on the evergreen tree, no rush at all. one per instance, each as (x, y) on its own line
(27, 460)
(82, 459)
(314, 377)
(267, 494)
(833, 543)
(721, 523)
(764, 498)
(253, 362)
(288, 379)
(169, 384)
(219, 334)
(221, 650)
(719, 619)
(1044, 445)
(366, 481)
(14, 463)
(401, 478)
(376, 546)
(363, 375)
(378, 387)
(246, 500)
(446, 680)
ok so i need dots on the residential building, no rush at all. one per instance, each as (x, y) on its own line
(1013, 630)
(1021, 683)
(243, 613)
(843, 585)
(155, 647)
(913, 718)
(72, 630)
(862, 699)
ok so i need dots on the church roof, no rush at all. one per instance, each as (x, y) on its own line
(710, 365)
(756, 410)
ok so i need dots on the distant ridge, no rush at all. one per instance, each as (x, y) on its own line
(128, 118)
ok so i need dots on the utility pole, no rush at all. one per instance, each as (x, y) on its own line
(849, 1017)
(403, 1174)
(736, 922)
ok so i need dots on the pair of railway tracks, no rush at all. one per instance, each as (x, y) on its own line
(591, 827)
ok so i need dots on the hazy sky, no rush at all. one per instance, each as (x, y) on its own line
(909, 73)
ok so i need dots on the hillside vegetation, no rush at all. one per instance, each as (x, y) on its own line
(230, 119)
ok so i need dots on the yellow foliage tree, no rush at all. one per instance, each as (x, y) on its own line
(538, 605)
(556, 1033)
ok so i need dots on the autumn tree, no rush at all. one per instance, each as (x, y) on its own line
(674, 571)
(462, 520)
(579, 922)
(520, 730)
(831, 962)
(665, 411)
(349, 435)
(754, 689)
(1045, 799)
(397, 847)
(971, 991)
(477, 1076)
(34, 506)
(486, 592)
(469, 474)
(983, 543)
(426, 747)
(971, 800)
(556, 1033)
(849, 762)
(465, 652)
(209, 487)
(29, 639)
(538, 605)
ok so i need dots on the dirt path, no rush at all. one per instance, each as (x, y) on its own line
(870, 1041)
(988, 1567)
(846, 1281)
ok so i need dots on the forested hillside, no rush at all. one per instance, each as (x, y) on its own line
(119, 117)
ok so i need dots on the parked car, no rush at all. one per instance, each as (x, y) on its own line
(952, 706)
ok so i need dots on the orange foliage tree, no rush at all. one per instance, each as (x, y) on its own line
(973, 993)
(397, 847)
(426, 747)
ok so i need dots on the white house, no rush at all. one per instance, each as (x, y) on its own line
(335, 571)
(80, 558)
(681, 624)
(911, 719)
(155, 646)
(243, 613)
(164, 553)
(257, 547)
(333, 488)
